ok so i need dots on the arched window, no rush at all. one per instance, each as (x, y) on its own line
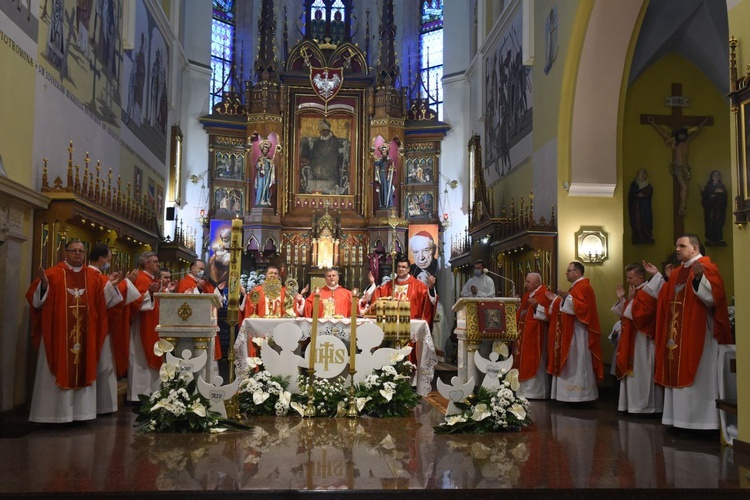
(222, 48)
(431, 53)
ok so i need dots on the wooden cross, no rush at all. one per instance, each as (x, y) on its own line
(675, 120)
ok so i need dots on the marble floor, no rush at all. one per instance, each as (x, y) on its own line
(573, 451)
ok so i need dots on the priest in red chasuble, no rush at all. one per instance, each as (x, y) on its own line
(692, 319)
(530, 356)
(634, 359)
(68, 325)
(421, 297)
(335, 300)
(143, 364)
(195, 282)
(575, 350)
(269, 305)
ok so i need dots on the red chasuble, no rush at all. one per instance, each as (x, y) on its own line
(149, 320)
(277, 307)
(681, 322)
(189, 283)
(72, 322)
(413, 290)
(644, 315)
(529, 344)
(119, 329)
(561, 329)
(342, 302)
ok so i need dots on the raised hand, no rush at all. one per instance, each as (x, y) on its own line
(631, 292)
(620, 291)
(43, 280)
(650, 268)
(697, 270)
(115, 278)
(132, 276)
(154, 287)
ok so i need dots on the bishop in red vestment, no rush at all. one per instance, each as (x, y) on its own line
(407, 287)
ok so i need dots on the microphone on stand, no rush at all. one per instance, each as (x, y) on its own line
(512, 283)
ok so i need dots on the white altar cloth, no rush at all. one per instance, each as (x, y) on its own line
(263, 327)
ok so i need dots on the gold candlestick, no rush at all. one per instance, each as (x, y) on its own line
(352, 411)
(235, 260)
(310, 408)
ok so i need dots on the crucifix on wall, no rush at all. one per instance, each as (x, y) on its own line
(682, 130)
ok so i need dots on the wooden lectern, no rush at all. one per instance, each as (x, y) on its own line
(189, 321)
(480, 319)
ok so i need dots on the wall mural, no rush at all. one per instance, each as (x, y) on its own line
(508, 104)
(145, 109)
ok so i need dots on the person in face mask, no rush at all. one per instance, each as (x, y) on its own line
(480, 285)
(118, 293)
(195, 282)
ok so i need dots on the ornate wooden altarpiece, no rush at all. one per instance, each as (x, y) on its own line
(338, 135)
(512, 243)
(93, 207)
(740, 105)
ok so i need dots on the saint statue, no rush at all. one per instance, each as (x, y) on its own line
(265, 175)
(714, 201)
(639, 208)
(384, 177)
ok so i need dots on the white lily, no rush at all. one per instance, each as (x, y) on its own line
(388, 442)
(259, 397)
(254, 362)
(259, 341)
(340, 409)
(361, 402)
(454, 419)
(285, 398)
(167, 371)
(480, 412)
(217, 430)
(518, 410)
(501, 348)
(186, 376)
(198, 408)
(298, 408)
(512, 377)
(387, 393)
(161, 346)
(400, 354)
(161, 404)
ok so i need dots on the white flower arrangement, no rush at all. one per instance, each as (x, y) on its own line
(490, 411)
(262, 393)
(176, 406)
(251, 280)
(387, 392)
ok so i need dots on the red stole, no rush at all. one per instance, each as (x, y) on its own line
(72, 322)
(681, 322)
(119, 329)
(529, 344)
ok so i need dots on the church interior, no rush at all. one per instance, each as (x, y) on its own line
(336, 133)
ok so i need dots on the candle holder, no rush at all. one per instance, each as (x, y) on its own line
(352, 411)
(310, 408)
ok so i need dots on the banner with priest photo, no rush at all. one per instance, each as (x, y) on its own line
(423, 253)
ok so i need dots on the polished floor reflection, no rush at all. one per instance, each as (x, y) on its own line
(567, 448)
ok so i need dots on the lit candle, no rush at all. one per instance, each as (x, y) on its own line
(353, 336)
(314, 331)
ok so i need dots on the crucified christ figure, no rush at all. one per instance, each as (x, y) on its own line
(679, 141)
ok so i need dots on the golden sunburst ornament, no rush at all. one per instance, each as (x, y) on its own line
(185, 311)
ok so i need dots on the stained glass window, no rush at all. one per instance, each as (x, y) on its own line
(222, 36)
(431, 52)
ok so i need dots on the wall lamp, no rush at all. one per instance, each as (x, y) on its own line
(591, 244)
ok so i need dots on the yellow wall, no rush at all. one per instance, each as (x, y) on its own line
(17, 80)
(574, 212)
(644, 148)
(739, 27)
